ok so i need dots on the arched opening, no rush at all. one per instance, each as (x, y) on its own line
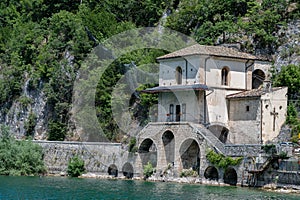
(190, 155)
(220, 132)
(224, 75)
(148, 152)
(169, 146)
(127, 170)
(178, 75)
(230, 176)
(211, 173)
(113, 170)
(258, 77)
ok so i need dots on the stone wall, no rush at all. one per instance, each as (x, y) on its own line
(245, 150)
(98, 157)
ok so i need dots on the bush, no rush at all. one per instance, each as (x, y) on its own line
(269, 148)
(19, 157)
(30, 124)
(132, 148)
(148, 170)
(188, 173)
(76, 167)
(57, 131)
(222, 161)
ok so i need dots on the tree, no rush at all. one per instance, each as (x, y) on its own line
(288, 76)
(76, 167)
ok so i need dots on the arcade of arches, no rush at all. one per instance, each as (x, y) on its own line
(188, 158)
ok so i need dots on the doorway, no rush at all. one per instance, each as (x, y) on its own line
(178, 113)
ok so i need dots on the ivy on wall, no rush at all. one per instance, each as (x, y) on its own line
(222, 161)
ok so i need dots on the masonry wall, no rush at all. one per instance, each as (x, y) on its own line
(97, 156)
(244, 124)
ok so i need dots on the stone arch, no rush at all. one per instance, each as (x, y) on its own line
(178, 75)
(211, 173)
(113, 170)
(169, 146)
(127, 170)
(258, 77)
(190, 154)
(220, 132)
(230, 176)
(148, 152)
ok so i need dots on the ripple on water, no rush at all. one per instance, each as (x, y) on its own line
(73, 188)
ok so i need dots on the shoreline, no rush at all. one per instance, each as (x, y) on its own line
(288, 189)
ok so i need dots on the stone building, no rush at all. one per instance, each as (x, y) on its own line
(225, 90)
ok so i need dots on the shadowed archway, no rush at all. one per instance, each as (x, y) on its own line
(113, 170)
(258, 77)
(169, 146)
(211, 173)
(220, 132)
(148, 152)
(190, 155)
(127, 170)
(230, 176)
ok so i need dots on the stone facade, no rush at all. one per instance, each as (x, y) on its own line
(223, 89)
(99, 158)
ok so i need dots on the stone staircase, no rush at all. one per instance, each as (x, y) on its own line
(209, 137)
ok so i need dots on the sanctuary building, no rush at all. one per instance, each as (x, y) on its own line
(227, 91)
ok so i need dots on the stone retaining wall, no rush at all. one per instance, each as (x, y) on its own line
(97, 156)
(246, 150)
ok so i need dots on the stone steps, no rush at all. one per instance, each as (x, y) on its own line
(209, 137)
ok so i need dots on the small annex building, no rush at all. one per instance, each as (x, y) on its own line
(225, 90)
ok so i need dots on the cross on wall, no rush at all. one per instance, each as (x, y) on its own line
(275, 114)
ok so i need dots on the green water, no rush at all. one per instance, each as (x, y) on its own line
(73, 188)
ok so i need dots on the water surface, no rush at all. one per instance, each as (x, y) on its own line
(74, 188)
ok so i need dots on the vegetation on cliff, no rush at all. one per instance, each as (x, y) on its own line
(289, 76)
(43, 44)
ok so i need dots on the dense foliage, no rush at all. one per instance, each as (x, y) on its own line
(44, 44)
(19, 157)
(289, 76)
(75, 167)
(252, 23)
(222, 161)
(148, 170)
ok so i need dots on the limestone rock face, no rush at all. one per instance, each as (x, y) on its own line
(289, 50)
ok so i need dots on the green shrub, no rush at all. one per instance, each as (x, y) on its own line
(19, 157)
(30, 124)
(57, 131)
(222, 161)
(132, 148)
(188, 173)
(148, 170)
(269, 148)
(76, 167)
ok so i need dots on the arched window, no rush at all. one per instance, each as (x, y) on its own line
(258, 77)
(178, 75)
(225, 72)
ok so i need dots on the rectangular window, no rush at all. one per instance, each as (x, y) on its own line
(247, 108)
(184, 112)
(171, 112)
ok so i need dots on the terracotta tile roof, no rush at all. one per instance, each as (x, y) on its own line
(198, 49)
(251, 93)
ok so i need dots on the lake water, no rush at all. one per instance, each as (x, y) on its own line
(73, 188)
